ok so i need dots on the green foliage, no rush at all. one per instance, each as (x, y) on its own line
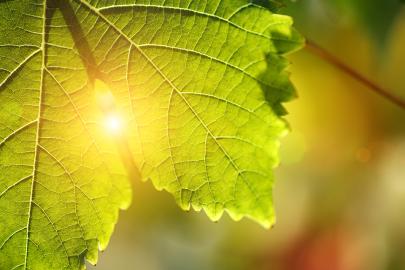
(199, 85)
(376, 17)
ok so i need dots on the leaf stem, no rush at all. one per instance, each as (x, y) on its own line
(333, 60)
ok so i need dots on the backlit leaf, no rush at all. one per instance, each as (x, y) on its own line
(196, 88)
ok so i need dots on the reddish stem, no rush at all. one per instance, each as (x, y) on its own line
(333, 60)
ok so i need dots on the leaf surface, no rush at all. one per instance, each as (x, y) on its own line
(199, 86)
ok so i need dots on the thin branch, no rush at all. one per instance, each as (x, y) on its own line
(333, 60)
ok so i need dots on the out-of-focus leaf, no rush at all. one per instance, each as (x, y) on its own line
(376, 16)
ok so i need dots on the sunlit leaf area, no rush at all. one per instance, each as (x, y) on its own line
(202, 134)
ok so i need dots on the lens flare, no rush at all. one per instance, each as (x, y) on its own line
(113, 124)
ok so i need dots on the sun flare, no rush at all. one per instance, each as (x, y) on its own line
(113, 124)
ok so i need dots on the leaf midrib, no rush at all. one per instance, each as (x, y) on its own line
(35, 162)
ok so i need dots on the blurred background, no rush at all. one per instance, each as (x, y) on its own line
(340, 190)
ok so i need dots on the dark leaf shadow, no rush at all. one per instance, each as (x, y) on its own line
(80, 40)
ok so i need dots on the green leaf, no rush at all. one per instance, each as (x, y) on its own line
(60, 189)
(198, 85)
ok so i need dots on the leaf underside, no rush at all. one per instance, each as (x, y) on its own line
(200, 85)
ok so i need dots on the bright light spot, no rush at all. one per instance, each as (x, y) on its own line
(104, 96)
(111, 118)
(113, 124)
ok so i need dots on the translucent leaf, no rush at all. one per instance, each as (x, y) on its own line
(196, 89)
